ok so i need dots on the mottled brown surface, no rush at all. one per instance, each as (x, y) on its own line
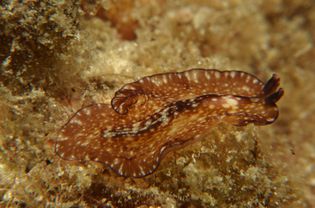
(164, 88)
(133, 143)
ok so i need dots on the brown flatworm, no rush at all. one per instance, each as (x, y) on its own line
(149, 117)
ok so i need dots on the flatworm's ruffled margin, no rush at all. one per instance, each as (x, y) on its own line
(150, 86)
(132, 144)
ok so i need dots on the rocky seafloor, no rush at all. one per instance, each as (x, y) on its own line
(57, 56)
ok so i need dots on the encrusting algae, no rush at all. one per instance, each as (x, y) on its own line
(60, 56)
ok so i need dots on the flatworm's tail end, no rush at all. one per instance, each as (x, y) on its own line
(274, 97)
(122, 101)
(271, 85)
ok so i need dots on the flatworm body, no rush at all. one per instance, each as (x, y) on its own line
(149, 117)
(160, 89)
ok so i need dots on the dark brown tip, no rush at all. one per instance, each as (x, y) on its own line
(271, 85)
(273, 98)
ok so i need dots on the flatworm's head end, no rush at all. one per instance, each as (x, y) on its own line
(271, 85)
(275, 97)
(270, 118)
(271, 109)
(267, 116)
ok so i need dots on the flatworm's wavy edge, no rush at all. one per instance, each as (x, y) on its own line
(68, 121)
(89, 160)
(272, 93)
(271, 85)
(139, 92)
(104, 163)
(274, 97)
(166, 149)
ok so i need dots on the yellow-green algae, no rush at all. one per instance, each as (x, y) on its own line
(56, 58)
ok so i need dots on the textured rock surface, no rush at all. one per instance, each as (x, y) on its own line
(58, 56)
